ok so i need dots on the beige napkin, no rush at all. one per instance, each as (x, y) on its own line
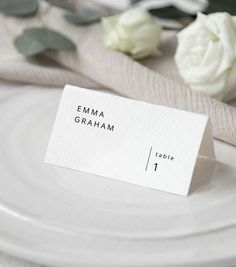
(92, 65)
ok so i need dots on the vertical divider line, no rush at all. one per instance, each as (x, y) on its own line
(148, 158)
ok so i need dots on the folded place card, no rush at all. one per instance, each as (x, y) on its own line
(128, 140)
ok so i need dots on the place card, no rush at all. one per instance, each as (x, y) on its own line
(128, 140)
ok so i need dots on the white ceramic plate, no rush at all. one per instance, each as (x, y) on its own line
(67, 218)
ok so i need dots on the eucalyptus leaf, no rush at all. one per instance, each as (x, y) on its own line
(21, 8)
(169, 12)
(222, 6)
(50, 39)
(64, 4)
(28, 46)
(83, 16)
(36, 40)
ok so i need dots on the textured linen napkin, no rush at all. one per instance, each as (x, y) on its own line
(92, 65)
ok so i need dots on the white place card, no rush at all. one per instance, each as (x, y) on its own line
(128, 140)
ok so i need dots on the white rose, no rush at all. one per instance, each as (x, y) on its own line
(206, 55)
(134, 32)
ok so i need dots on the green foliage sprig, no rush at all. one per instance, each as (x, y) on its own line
(36, 40)
(172, 12)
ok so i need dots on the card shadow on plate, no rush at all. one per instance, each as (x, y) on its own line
(209, 173)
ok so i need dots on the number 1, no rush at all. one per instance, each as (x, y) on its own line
(155, 168)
